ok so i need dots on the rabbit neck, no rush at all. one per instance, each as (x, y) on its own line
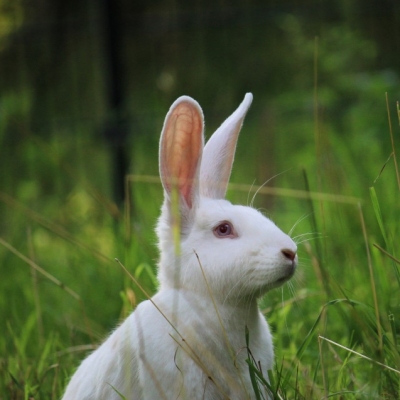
(234, 317)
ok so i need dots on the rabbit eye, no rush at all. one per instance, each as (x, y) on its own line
(224, 229)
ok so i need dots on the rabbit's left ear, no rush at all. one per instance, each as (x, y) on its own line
(219, 153)
(181, 146)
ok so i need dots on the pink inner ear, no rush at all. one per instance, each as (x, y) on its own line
(183, 146)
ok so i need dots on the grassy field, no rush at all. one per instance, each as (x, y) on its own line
(336, 324)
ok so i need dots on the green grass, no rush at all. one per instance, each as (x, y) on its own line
(336, 324)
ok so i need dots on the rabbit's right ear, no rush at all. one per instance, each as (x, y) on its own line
(181, 147)
(219, 153)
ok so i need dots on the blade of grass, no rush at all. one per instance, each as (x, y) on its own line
(53, 279)
(321, 358)
(383, 167)
(393, 328)
(118, 393)
(253, 380)
(372, 279)
(21, 340)
(302, 348)
(35, 288)
(378, 214)
(396, 260)
(40, 270)
(45, 353)
(361, 355)
(144, 267)
(252, 367)
(128, 210)
(392, 141)
(317, 264)
(316, 102)
(274, 191)
(51, 226)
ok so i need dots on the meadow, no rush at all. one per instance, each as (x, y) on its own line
(336, 324)
(326, 152)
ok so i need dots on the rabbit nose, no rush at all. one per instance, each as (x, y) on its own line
(289, 254)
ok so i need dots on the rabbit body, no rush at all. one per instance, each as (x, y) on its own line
(146, 359)
(216, 259)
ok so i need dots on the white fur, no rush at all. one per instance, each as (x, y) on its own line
(188, 341)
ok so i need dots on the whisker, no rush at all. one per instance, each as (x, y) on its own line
(305, 234)
(267, 181)
(283, 303)
(263, 211)
(309, 239)
(291, 288)
(301, 219)
(249, 191)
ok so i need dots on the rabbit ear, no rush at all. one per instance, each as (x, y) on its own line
(181, 146)
(220, 151)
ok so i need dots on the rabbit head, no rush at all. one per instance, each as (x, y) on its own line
(202, 236)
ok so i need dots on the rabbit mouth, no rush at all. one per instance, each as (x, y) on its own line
(289, 272)
(280, 281)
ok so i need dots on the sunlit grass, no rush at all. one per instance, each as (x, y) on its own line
(305, 326)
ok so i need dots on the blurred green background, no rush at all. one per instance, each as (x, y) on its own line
(84, 88)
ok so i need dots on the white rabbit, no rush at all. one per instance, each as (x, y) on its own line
(216, 259)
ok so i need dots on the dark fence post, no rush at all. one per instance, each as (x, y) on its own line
(116, 125)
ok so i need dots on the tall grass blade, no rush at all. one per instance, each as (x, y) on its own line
(392, 142)
(35, 288)
(323, 276)
(396, 260)
(372, 279)
(378, 214)
(273, 191)
(144, 267)
(361, 355)
(252, 368)
(393, 328)
(39, 269)
(323, 372)
(51, 226)
(118, 393)
(383, 167)
(45, 354)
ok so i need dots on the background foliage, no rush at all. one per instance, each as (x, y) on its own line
(84, 88)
